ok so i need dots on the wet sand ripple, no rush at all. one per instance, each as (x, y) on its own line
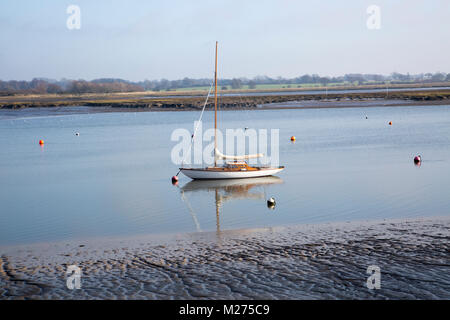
(307, 262)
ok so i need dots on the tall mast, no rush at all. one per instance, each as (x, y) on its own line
(215, 110)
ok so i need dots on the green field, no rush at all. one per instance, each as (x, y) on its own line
(265, 86)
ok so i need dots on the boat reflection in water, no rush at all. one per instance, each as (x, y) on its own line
(227, 190)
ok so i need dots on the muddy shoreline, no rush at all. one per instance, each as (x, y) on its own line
(175, 103)
(326, 104)
(327, 261)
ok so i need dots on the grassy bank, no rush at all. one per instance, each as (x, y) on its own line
(146, 102)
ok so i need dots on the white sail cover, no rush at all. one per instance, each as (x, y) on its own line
(220, 155)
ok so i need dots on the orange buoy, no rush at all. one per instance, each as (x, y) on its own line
(293, 138)
(174, 180)
(417, 159)
(390, 123)
(41, 142)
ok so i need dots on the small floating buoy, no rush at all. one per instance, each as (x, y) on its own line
(77, 133)
(390, 123)
(174, 180)
(41, 142)
(367, 118)
(271, 203)
(417, 159)
(293, 138)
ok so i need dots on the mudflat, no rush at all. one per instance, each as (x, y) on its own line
(248, 100)
(323, 261)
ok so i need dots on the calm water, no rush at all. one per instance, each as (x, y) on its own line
(114, 179)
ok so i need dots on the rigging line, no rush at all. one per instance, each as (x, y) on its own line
(198, 123)
(204, 106)
(191, 211)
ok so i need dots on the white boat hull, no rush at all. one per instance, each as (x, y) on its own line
(217, 174)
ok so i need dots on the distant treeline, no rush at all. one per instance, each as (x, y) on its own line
(42, 85)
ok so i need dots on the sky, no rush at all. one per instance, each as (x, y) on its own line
(152, 39)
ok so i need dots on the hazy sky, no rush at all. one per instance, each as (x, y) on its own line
(147, 39)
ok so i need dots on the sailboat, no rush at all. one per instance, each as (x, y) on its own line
(237, 168)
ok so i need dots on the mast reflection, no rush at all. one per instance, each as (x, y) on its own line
(227, 190)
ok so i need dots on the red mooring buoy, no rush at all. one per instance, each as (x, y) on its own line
(417, 159)
(174, 180)
(41, 142)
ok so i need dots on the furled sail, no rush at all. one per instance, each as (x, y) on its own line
(220, 155)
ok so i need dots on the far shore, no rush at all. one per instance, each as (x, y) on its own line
(135, 102)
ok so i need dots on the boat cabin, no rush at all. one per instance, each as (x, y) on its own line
(238, 166)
